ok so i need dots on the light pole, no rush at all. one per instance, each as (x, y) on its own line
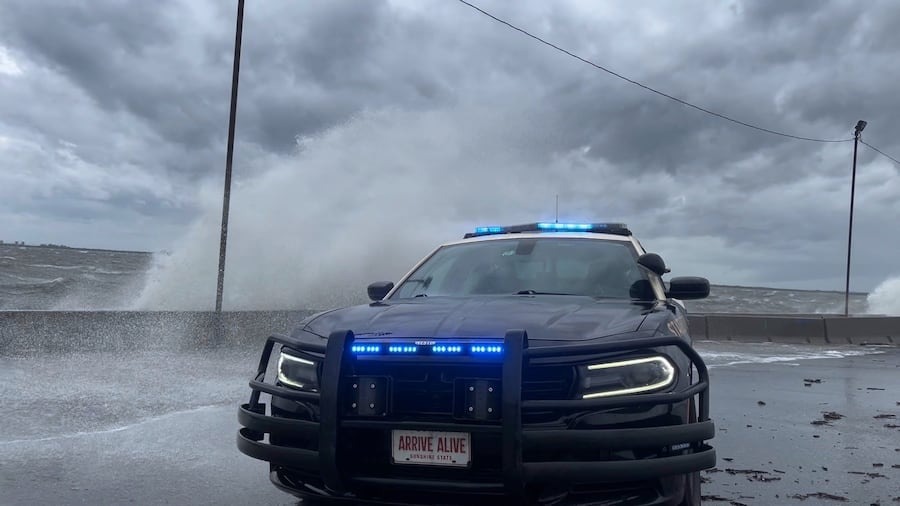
(235, 72)
(860, 126)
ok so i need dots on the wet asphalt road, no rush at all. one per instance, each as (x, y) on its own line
(156, 428)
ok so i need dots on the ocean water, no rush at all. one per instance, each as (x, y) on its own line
(49, 278)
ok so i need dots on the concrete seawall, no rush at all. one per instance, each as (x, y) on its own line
(797, 329)
(29, 332)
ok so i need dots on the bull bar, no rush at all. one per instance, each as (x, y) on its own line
(327, 462)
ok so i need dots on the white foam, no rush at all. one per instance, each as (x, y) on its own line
(885, 298)
(109, 272)
(34, 282)
(62, 267)
(765, 354)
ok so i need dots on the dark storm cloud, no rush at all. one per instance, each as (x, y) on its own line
(99, 47)
(146, 86)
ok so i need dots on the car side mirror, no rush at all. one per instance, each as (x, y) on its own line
(379, 289)
(653, 262)
(688, 287)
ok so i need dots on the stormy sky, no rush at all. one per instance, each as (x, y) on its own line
(403, 121)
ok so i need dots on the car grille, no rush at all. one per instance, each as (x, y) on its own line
(548, 383)
(434, 392)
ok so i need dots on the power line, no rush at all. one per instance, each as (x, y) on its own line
(707, 111)
(880, 151)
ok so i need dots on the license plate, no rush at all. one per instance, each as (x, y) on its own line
(431, 448)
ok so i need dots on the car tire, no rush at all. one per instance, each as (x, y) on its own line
(691, 490)
(691, 481)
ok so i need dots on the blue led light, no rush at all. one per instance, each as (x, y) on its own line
(486, 348)
(446, 348)
(402, 348)
(565, 226)
(488, 230)
(366, 348)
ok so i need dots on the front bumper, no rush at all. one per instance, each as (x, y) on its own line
(308, 452)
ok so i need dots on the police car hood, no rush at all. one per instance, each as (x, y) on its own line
(543, 317)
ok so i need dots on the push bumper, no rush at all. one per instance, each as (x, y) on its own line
(308, 450)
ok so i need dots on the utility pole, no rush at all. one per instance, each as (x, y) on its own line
(236, 68)
(860, 126)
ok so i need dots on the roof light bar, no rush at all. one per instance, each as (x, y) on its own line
(605, 228)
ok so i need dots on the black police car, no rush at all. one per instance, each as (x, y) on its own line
(546, 363)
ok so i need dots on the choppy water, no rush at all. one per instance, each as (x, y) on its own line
(41, 278)
(44, 278)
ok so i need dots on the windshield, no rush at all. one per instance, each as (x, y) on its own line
(591, 267)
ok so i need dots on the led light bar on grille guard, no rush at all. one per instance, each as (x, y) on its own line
(418, 348)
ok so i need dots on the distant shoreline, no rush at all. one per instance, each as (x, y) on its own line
(72, 248)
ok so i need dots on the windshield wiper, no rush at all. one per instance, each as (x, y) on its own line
(535, 292)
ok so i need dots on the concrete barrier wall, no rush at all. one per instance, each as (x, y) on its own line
(754, 328)
(697, 326)
(880, 329)
(800, 329)
(29, 332)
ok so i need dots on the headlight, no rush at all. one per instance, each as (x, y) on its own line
(297, 372)
(626, 377)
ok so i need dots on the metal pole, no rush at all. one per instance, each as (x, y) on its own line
(236, 68)
(860, 126)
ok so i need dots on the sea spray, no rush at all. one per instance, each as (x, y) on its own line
(363, 202)
(885, 298)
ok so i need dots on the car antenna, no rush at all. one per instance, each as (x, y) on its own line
(557, 208)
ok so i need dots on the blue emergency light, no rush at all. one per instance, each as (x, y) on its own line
(566, 226)
(444, 348)
(481, 349)
(604, 228)
(460, 349)
(365, 348)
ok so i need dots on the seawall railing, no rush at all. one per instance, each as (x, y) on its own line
(29, 332)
